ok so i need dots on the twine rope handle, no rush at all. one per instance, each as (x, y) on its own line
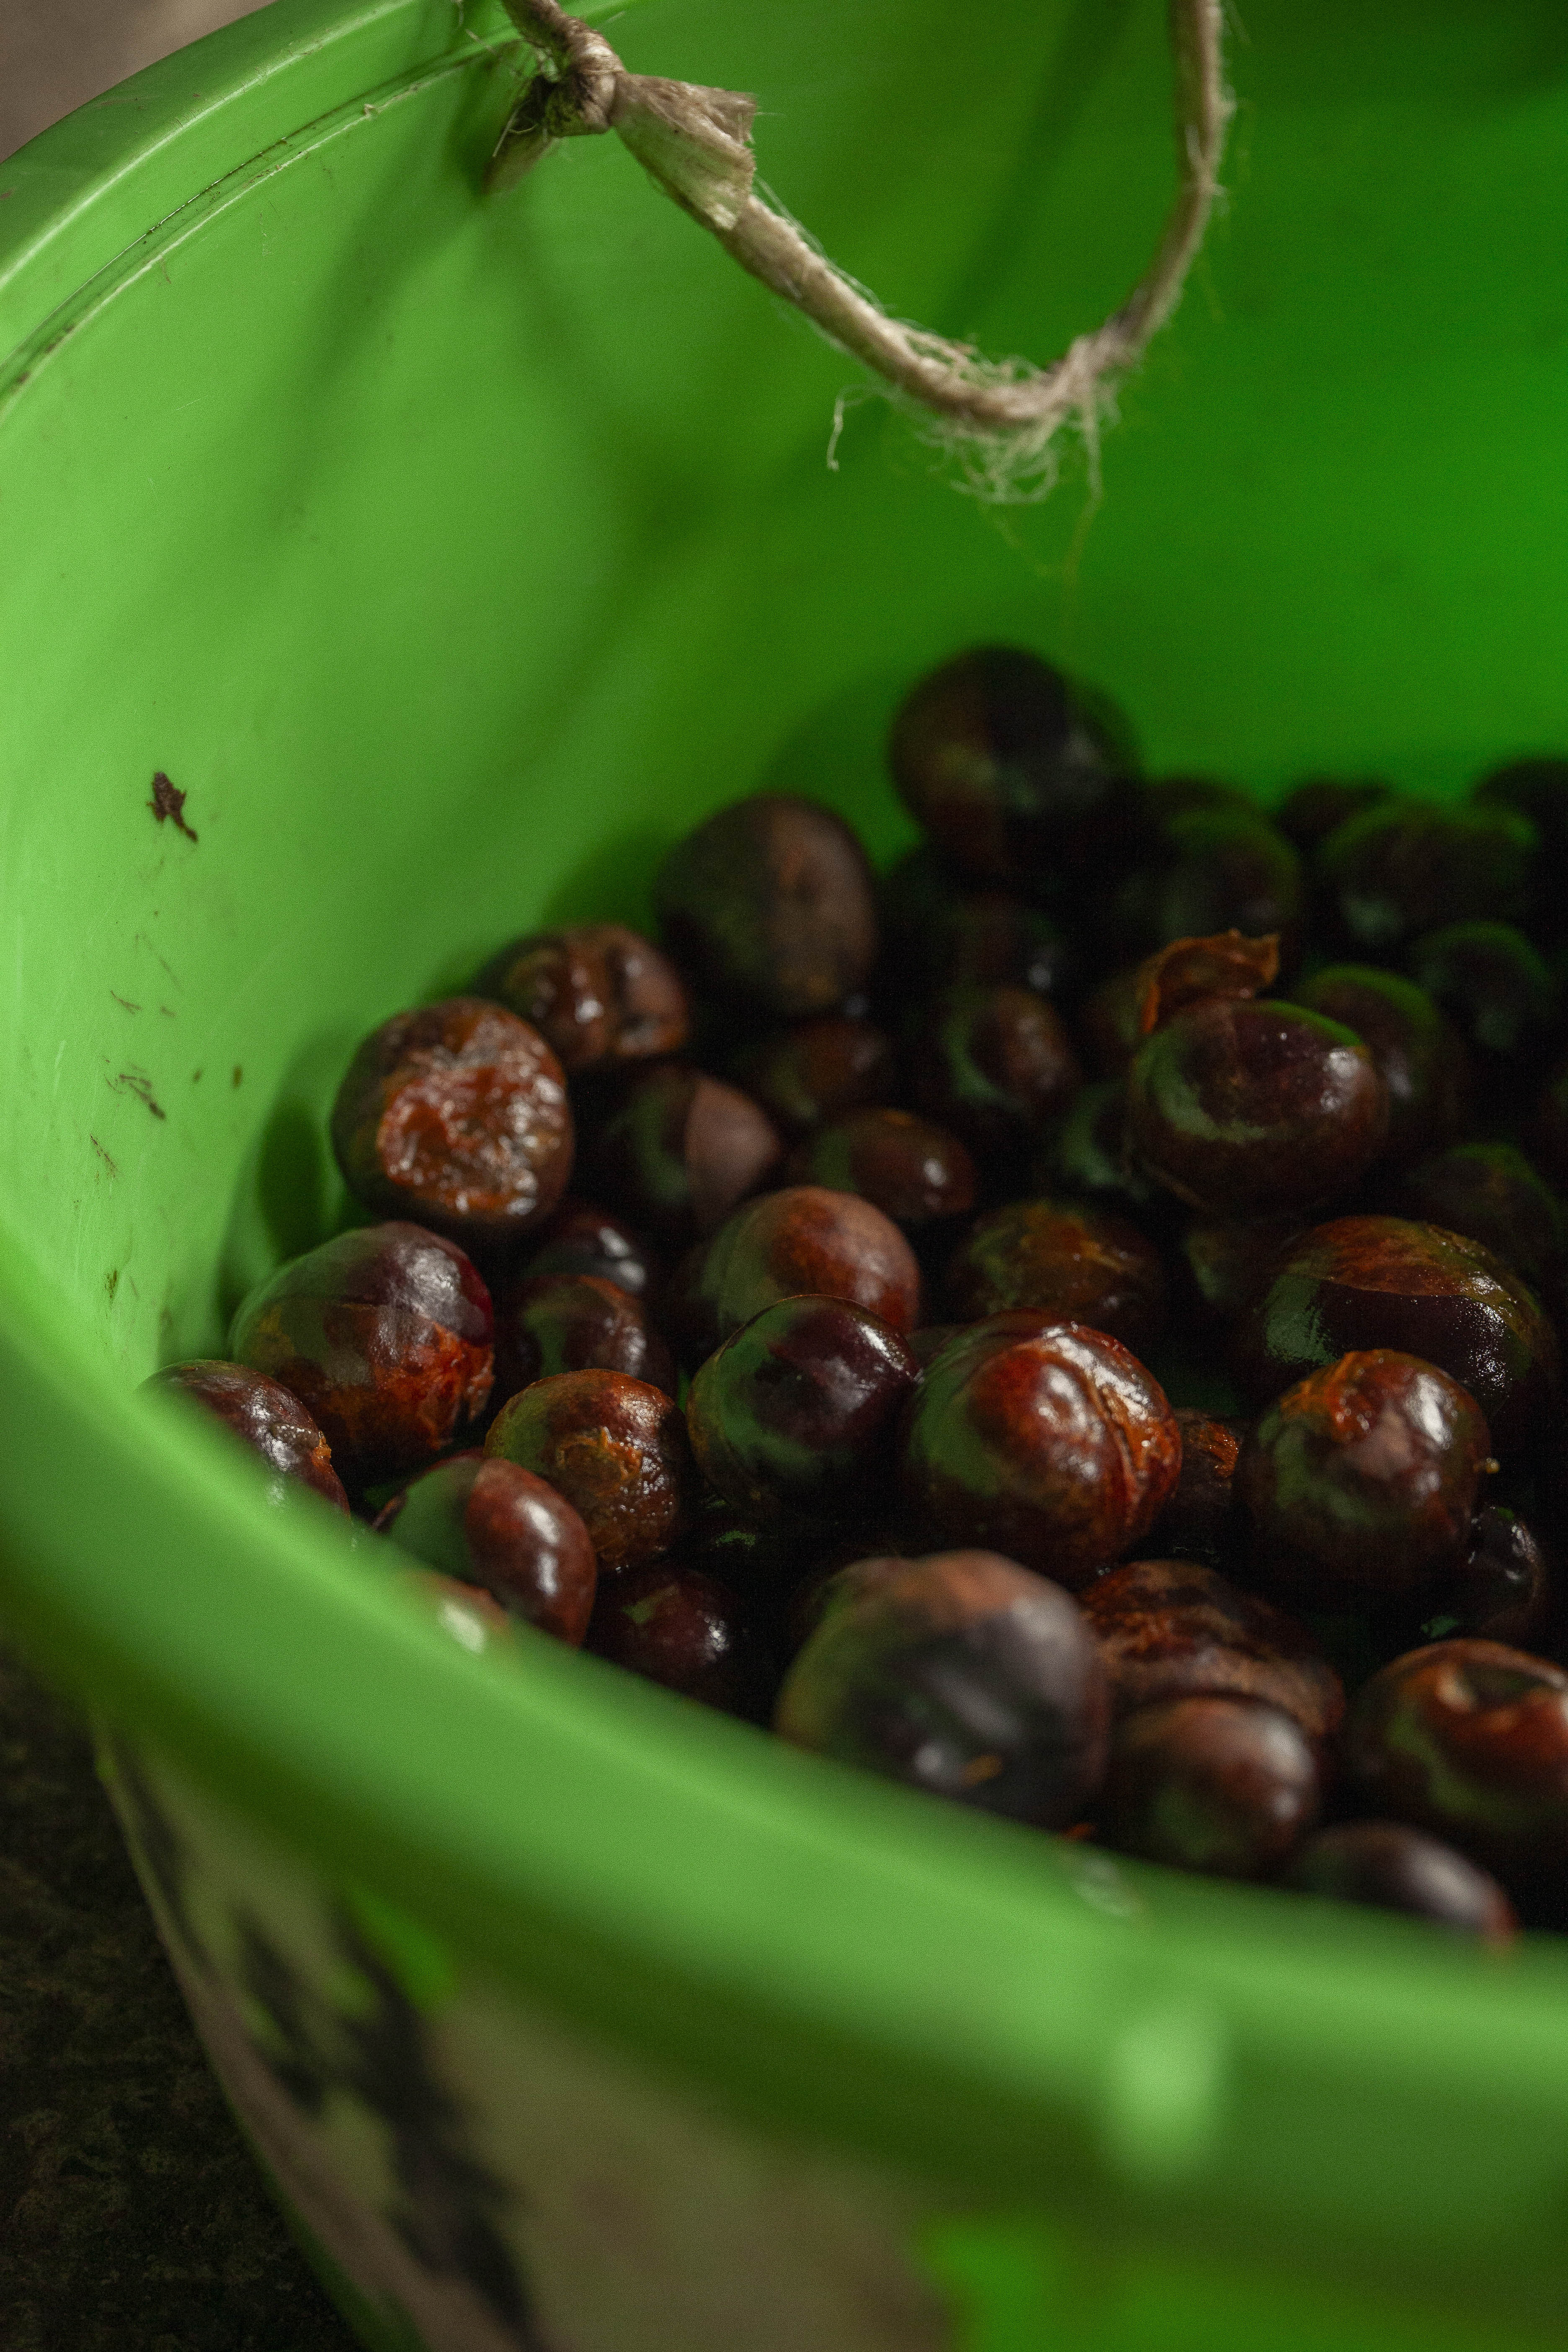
(696, 145)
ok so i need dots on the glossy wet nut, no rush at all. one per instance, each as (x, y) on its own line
(1420, 1056)
(501, 1527)
(1226, 1786)
(675, 1626)
(1201, 1521)
(1075, 1265)
(575, 1323)
(962, 1674)
(1172, 1629)
(1392, 1867)
(456, 1117)
(911, 1169)
(800, 1407)
(1227, 1260)
(1408, 866)
(770, 901)
(1491, 1192)
(615, 1448)
(1360, 1481)
(1392, 1282)
(804, 1240)
(819, 1070)
(1044, 1441)
(1496, 988)
(1469, 1739)
(385, 1334)
(678, 1150)
(595, 992)
(582, 1239)
(1012, 770)
(1506, 1586)
(1309, 811)
(269, 1417)
(991, 1065)
(1254, 1110)
(1221, 869)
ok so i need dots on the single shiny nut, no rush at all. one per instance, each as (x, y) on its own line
(1359, 1482)
(1075, 1265)
(770, 902)
(1226, 1786)
(1392, 1867)
(673, 1624)
(385, 1334)
(492, 1524)
(913, 1170)
(960, 1674)
(615, 1448)
(456, 1117)
(575, 1323)
(267, 1417)
(595, 992)
(802, 1241)
(678, 1150)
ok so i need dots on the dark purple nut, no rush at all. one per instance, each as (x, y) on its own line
(818, 1070)
(1227, 1786)
(582, 1239)
(1420, 1056)
(992, 1065)
(615, 1448)
(802, 1241)
(1075, 1265)
(1014, 772)
(1044, 1441)
(1201, 1521)
(595, 992)
(1084, 1155)
(675, 1626)
(1499, 991)
(470, 1617)
(1229, 1259)
(1221, 869)
(575, 1323)
(455, 1116)
(490, 1524)
(1392, 1867)
(1312, 811)
(1255, 1110)
(799, 1409)
(384, 1335)
(914, 1172)
(1172, 1629)
(269, 1417)
(1469, 1739)
(1491, 1192)
(1359, 1482)
(1391, 1282)
(1408, 866)
(1505, 1589)
(771, 901)
(1537, 789)
(962, 1674)
(935, 934)
(678, 1150)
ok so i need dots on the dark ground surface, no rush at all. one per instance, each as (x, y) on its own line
(132, 2218)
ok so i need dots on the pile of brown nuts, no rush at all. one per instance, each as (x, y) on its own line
(1072, 1325)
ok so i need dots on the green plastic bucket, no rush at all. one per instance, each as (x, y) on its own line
(452, 555)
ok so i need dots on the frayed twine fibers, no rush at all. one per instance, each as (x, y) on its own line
(1001, 419)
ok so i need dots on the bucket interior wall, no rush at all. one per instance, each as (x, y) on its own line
(452, 555)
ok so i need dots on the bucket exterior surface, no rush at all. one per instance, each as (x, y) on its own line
(451, 556)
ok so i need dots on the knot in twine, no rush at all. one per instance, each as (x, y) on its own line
(1001, 418)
